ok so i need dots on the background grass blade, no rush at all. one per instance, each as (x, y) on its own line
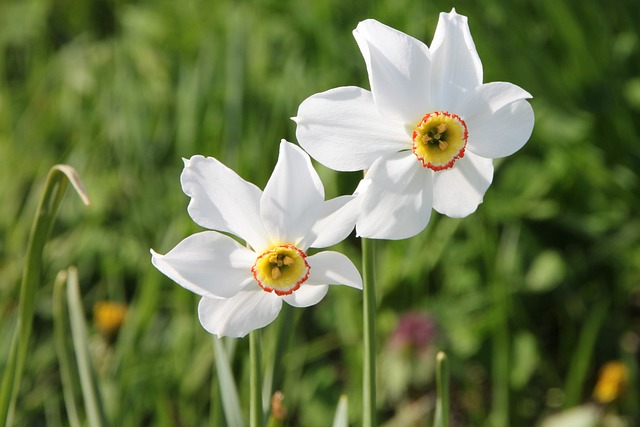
(228, 389)
(90, 390)
(68, 371)
(57, 180)
(583, 354)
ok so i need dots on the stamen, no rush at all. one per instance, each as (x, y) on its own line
(439, 139)
(287, 260)
(281, 270)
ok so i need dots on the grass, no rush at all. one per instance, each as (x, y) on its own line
(122, 90)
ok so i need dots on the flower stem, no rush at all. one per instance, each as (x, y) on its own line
(369, 326)
(255, 375)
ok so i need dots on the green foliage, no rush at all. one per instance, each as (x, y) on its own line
(122, 90)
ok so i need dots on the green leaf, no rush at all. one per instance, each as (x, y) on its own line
(61, 326)
(57, 180)
(90, 391)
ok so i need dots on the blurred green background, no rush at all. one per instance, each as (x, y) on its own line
(530, 296)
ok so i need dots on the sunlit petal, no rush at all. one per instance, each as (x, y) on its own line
(503, 132)
(333, 268)
(397, 65)
(488, 98)
(458, 191)
(336, 221)
(208, 264)
(455, 64)
(223, 201)
(397, 203)
(239, 315)
(307, 295)
(293, 197)
(342, 129)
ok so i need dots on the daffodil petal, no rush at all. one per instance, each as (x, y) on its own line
(397, 203)
(307, 295)
(293, 197)
(455, 64)
(221, 200)
(237, 316)
(342, 129)
(337, 219)
(398, 67)
(489, 98)
(208, 263)
(458, 191)
(332, 268)
(502, 132)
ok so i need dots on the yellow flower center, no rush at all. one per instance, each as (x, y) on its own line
(281, 269)
(439, 140)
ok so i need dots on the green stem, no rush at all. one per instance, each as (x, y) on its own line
(272, 374)
(504, 262)
(369, 418)
(501, 359)
(57, 180)
(255, 376)
(442, 384)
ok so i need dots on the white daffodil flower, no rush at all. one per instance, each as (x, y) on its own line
(426, 132)
(243, 287)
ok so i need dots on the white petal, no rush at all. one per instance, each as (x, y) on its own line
(307, 295)
(488, 98)
(342, 129)
(397, 203)
(337, 219)
(239, 315)
(455, 64)
(222, 200)
(293, 197)
(332, 268)
(503, 132)
(458, 191)
(398, 67)
(208, 264)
